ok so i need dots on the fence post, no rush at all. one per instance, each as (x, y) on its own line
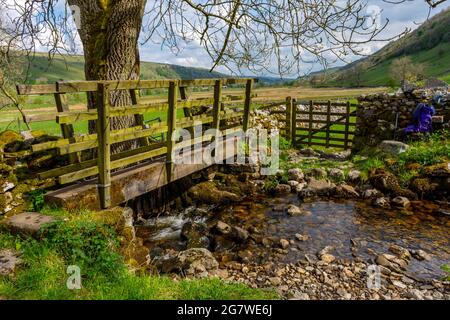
(347, 124)
(66, 129)
(310, 126)
(104, 147)
(293, 121)
(138, 118)
(217, 104)
(288, 116)
(328, 124)
(248, 101)
(171, 127)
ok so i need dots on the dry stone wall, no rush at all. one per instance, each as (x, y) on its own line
(381, 116)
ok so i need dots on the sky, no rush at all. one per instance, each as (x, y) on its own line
(409, 14)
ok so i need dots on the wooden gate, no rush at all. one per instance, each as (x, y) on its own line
(320, 123)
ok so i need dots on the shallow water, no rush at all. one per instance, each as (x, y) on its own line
(371, 230)
(352, 228)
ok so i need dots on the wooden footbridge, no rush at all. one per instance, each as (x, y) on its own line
(102, 179)
(97, 178)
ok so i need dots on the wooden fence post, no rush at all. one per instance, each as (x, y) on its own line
(217, 104)
(138, 118)
(66, 129)
(247, 104)
(288, 117)
(104, 147)
(327, 143)
(171, 127)
(310, 127)
(347, 124)
(293, 121)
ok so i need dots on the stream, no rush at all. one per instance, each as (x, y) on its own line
(354, 229)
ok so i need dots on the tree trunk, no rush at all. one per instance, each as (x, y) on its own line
(109, 32)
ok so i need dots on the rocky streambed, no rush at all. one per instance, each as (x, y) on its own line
(308, 249)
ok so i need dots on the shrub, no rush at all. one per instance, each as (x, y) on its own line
(89, 245)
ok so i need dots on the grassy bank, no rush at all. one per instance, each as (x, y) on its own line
(81, 240)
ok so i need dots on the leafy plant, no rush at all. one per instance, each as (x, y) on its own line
(87, 244)
(446, 269)
(37, 199)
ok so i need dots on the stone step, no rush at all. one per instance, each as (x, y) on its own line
(26, 223)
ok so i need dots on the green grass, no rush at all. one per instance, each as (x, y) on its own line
(92, 246)
(430, 150)
(71, 67)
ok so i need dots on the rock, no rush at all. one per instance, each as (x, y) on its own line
(7, 186)
(414, 294)
(336, 174)
(354, 176)
(300, 296)
(192, 230)
(27, 223)
(391, 262)
(293, 184)
(370, 193)
(223, 243)
(401, 252)
(207, 193)
(196, 261)
(275, 281)
(9, 260)
(393, 147)
(317, 188)
(239, 234)
(308, 152)
(401, 202)
(399, 284)
(296, 174)
(345, 191)
(318, 173)
(300, 187)
(284, 243)
(223, 228)
(327, 258)
(382, 202)
(293, 210)
(301, 237)
(421, 255)
(388, 184)
(325, 250)
(385, 260)
(282, 189)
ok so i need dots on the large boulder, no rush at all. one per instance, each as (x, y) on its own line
(207, 193)
(387, 183)
(317, 188)
(197, 262)
(393, 147)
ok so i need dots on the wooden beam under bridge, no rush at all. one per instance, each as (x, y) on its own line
(130, 183)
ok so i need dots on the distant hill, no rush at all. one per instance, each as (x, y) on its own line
(71, 67)
(429, 44)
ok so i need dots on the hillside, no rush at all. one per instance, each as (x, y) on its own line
(429, 45)
(71, 67)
